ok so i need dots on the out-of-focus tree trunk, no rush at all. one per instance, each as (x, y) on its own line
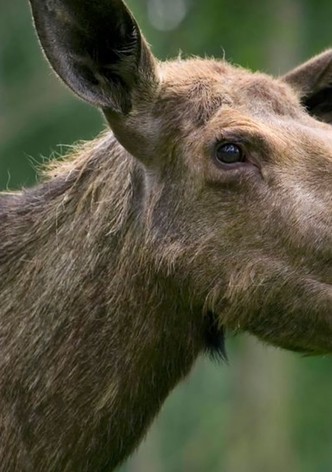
(259, 434)
(286, 41)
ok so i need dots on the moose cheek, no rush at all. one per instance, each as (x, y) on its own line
(239, 175)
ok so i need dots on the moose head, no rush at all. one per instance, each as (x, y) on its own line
(208, 208)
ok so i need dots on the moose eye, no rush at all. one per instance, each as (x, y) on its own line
(229, 153)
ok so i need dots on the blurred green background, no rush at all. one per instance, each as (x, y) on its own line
(268, 410)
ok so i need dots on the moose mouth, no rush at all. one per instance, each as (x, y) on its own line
(315, 323)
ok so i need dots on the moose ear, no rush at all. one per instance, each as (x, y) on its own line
(97, 49)
(313, 82)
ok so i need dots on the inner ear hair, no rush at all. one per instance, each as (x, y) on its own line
(97, 49)
(319, 104)
(313, 83)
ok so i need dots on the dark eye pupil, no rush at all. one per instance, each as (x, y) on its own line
(229, 153)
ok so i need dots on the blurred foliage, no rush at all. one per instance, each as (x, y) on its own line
(268, 411)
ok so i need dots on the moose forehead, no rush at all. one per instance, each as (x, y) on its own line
(192, 91)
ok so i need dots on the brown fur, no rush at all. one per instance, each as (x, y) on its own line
(130, 259)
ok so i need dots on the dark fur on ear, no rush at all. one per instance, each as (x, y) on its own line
(96, 47)
(313, 81)
(320, 104)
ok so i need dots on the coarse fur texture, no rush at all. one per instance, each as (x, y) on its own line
(138, 250)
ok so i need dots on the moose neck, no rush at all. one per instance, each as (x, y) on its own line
(123, 328)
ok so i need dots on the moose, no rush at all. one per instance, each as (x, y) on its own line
(205, 209)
